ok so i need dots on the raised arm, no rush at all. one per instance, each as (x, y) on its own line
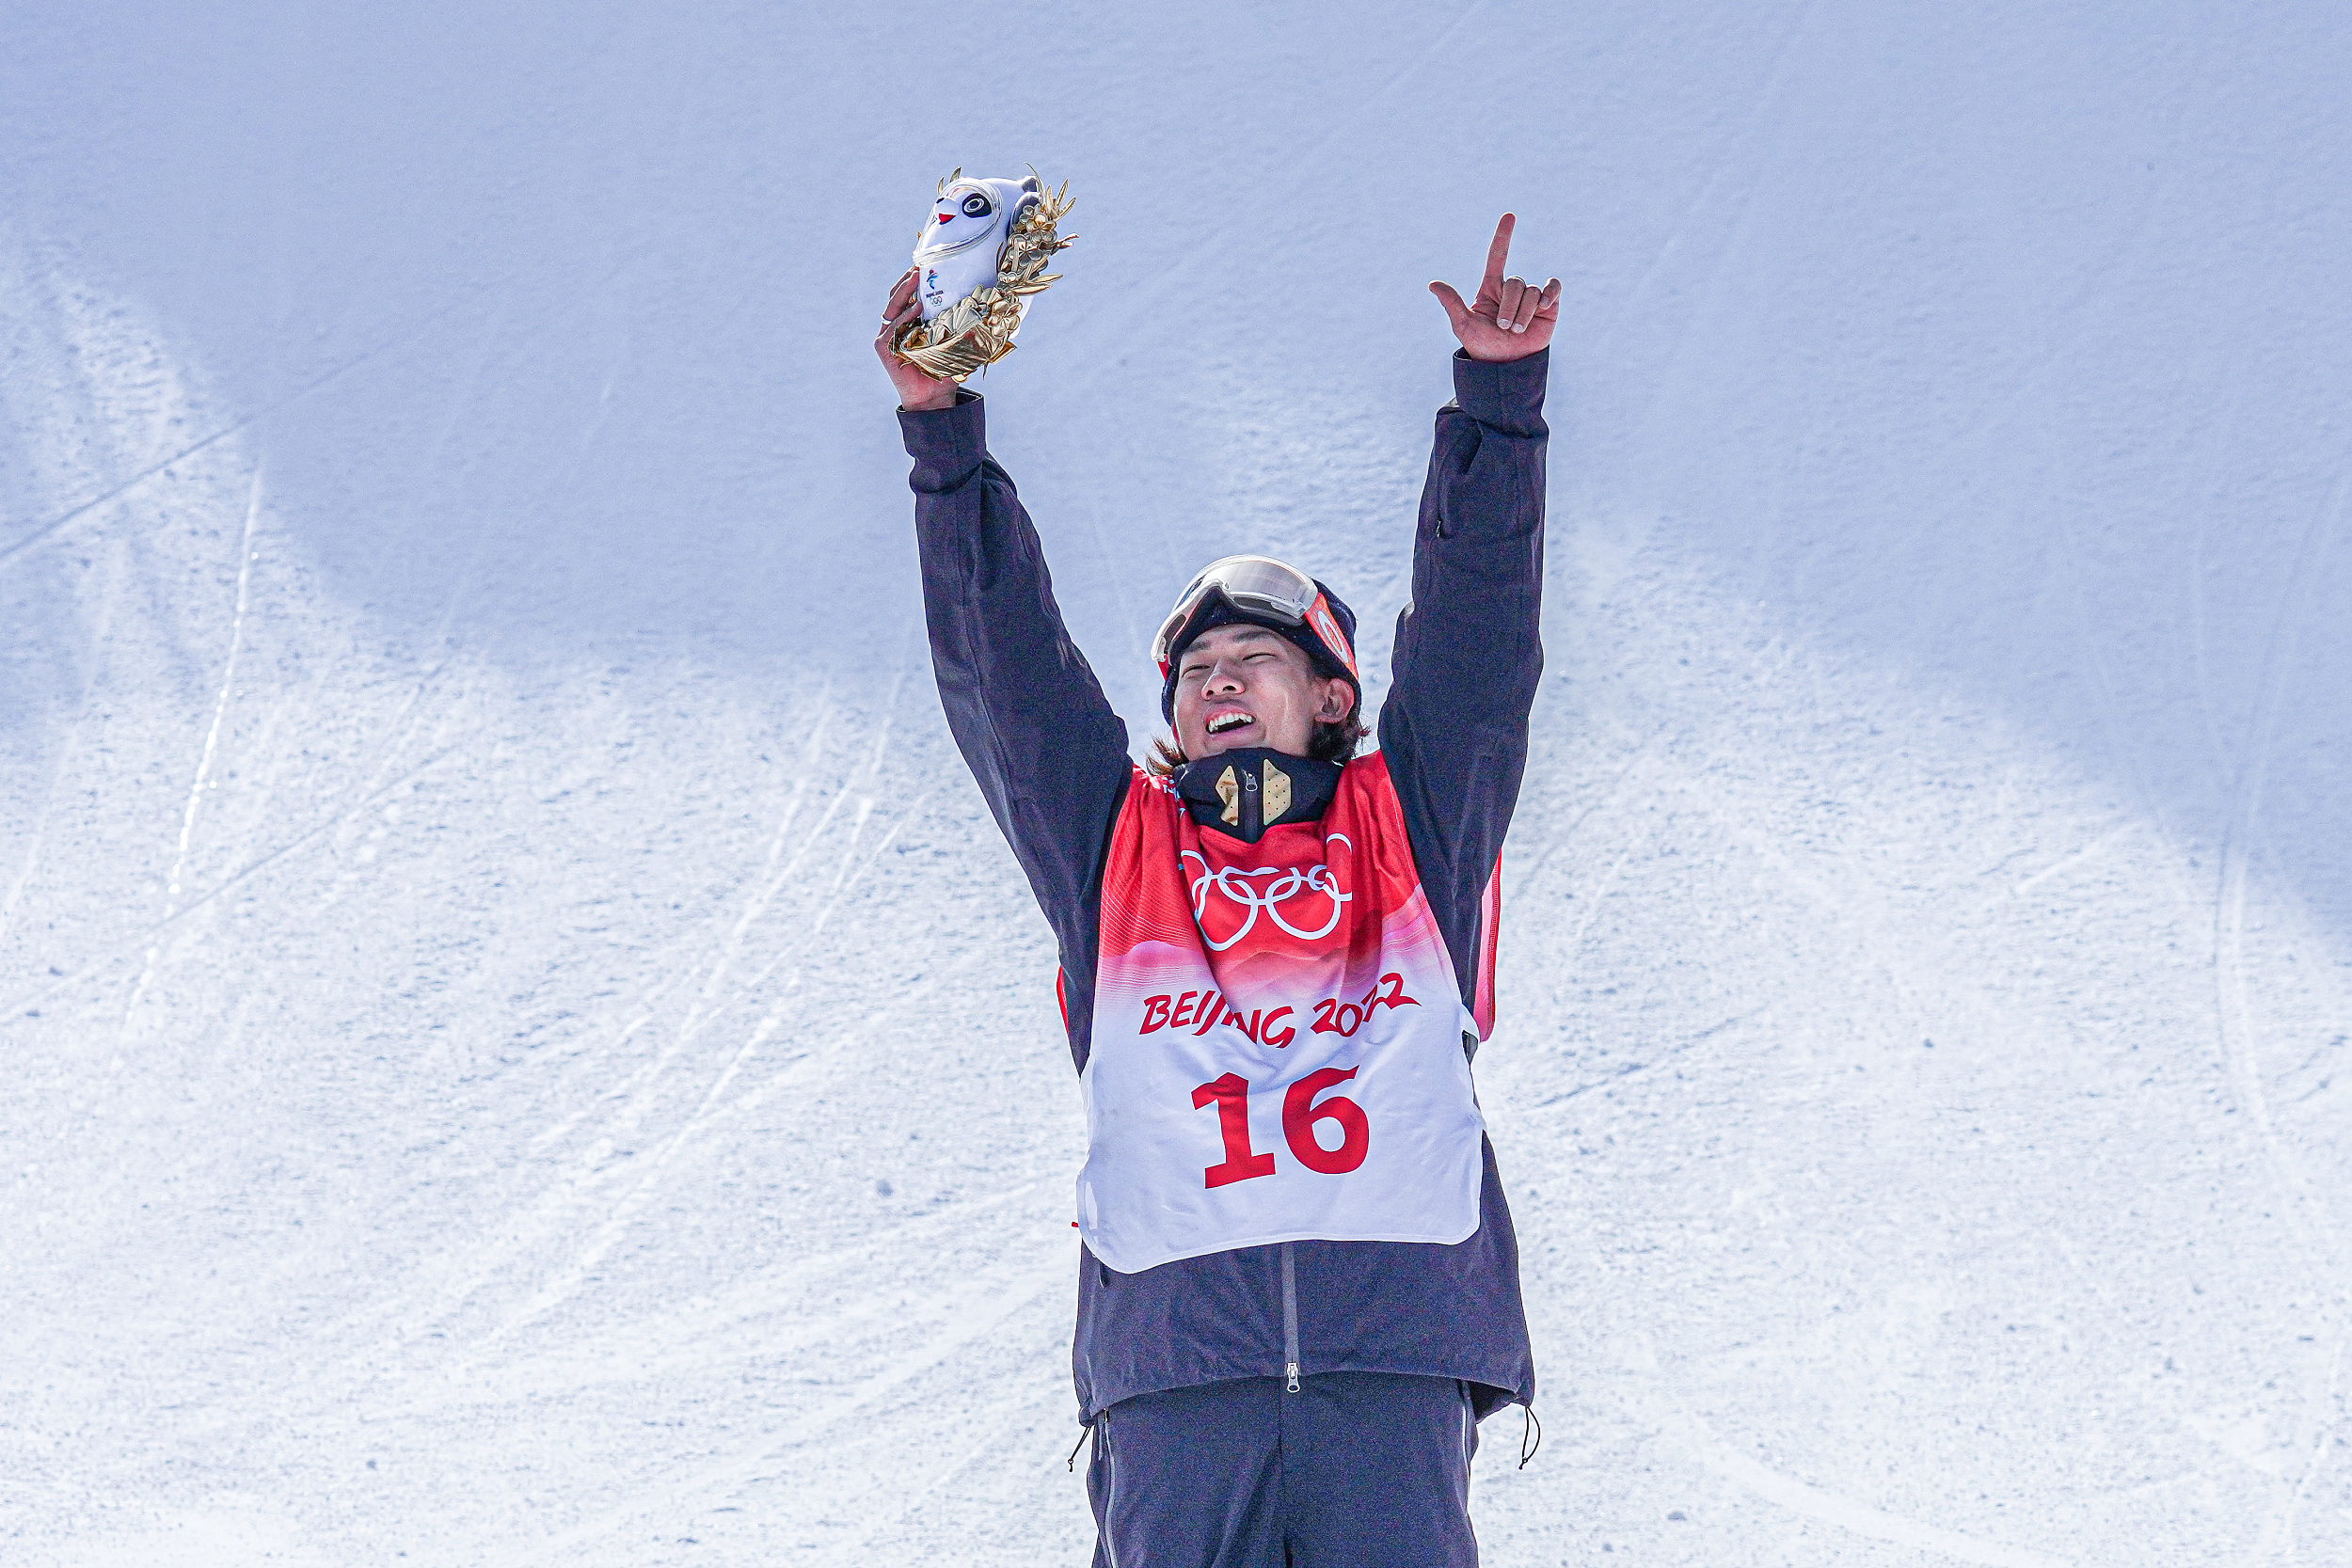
(1469, 651)
(1025, 710)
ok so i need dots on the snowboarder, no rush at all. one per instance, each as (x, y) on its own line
(1298, 1284)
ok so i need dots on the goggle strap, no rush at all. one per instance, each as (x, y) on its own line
(1327, 630)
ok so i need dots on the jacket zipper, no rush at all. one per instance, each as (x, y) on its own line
(1252, 807)
(1290, 1321)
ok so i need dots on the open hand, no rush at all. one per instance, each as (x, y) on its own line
(1511, 318)
(917, 392)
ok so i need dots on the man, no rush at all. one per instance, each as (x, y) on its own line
(1298, 1284)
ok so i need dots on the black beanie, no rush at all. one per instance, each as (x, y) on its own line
(1217, 611)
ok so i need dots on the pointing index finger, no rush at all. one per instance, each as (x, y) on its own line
(1499, 252)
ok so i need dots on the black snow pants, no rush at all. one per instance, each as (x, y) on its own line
(1355, 1471)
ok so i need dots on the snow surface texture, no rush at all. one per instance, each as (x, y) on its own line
(523, 1046)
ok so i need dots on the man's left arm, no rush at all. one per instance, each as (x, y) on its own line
(1469, 651)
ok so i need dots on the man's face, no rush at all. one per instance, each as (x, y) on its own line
(1242, 686)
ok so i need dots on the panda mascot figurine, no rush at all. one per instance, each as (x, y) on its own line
(979, 260)
(957, 252)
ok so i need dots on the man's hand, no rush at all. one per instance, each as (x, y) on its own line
(1510, 319)
(917, 392)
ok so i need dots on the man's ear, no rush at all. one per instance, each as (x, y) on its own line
(1339, 701)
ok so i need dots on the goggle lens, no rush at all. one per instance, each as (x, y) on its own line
(1259, 583)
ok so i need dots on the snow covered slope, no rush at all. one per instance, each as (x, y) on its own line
(523, 1047)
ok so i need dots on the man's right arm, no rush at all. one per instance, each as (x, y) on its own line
(1050, 755)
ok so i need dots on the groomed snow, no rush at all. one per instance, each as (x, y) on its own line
(523, 1047)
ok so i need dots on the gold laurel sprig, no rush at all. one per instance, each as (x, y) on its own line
(977, 330)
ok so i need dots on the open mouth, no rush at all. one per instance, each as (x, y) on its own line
(1226, 723)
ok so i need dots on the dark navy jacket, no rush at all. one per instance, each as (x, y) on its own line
(1052, 760)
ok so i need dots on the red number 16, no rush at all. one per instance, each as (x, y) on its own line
(1300, 1113)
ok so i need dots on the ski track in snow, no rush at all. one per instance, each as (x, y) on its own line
(528, 1047)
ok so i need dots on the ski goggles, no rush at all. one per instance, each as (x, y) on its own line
(1261, 586)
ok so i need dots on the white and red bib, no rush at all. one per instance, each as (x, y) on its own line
(1277, 1049)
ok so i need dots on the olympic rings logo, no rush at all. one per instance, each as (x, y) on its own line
(1288, 882)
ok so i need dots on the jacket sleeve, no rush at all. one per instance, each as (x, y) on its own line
(1469, 651)
(1024, 707)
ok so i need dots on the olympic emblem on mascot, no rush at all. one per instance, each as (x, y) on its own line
(1288, 882)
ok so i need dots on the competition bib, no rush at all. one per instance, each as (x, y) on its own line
(1277, 1037)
